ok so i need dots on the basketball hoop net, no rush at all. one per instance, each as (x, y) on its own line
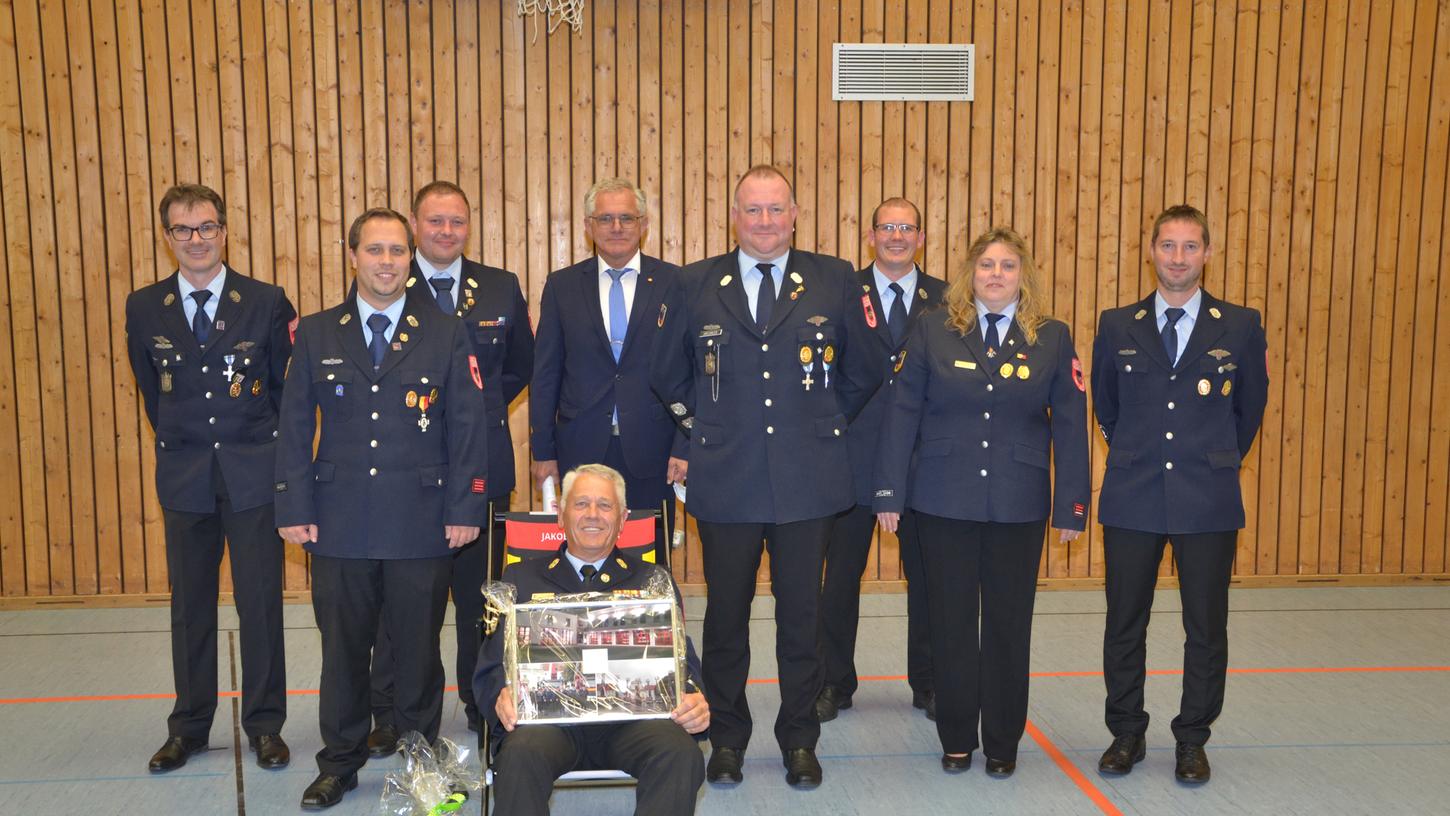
(557, 11)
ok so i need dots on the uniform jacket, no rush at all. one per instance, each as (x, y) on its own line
(763, 448)
(866, 428)
(984, 429)
(219, 402)
(381, 485)
(577, 384)
(546, 576)
(1176, 435)
(492, 306)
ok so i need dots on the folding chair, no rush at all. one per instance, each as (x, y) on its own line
(529, 536)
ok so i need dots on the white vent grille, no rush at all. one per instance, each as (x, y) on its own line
(903, 71)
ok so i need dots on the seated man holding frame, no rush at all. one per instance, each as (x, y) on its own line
(660, 753)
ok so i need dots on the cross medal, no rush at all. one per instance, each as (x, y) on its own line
(229, 371)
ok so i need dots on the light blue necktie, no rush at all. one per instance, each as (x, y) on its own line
(618, 322)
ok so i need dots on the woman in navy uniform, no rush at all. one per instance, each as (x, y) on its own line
(987, 392)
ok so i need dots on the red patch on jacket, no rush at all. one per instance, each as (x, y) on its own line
(1077, 375)
(473, 369)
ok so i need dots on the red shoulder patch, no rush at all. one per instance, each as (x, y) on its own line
(473, 369)
(1077, 375)
(292, 330)
(868, 310)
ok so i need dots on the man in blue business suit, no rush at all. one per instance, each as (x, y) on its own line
(590, 399)
(1180, 381)
(491, 305)
(899, 292)
(764, 360)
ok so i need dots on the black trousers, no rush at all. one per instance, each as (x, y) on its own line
(194, 545)
(469, 570)
(846, 556)
(643, 495)
(1205, 566)
(981, 679)
(351, 599)
(732, 557)
(666, 761)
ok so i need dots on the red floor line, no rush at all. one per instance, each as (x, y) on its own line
(1078, 777)
(108, 698)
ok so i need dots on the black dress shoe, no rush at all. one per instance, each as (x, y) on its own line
(1192, 764)
(327, 790)
(829, 702)
(271, 751)
(801, 768)
(724, 766)
(173, 753)
(956, 764)
(1125, 752)
(1000, 768)
(383, 741)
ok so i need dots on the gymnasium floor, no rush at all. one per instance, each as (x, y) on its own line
(1337, 704)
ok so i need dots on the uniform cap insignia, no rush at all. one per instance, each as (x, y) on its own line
(235, 296)
(725, 281)
(795, 277)
(1139, 315)
(1213, 310)
(410, 282)
(412, 321)
(473, 284)
(346, 318)
(169, 299)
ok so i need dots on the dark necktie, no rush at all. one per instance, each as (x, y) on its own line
(618, 322)
(765, 298)
(1170, 334)
(994, 340)
(896, 316)
(587, 573)
(201, 324)
(443, 285)
(378, 324)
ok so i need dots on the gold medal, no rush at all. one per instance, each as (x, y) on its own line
(236, 297)
(604, 577)
(830, 355)
(1023, 372)
(1227, 387)
(411, 399)
(1213, 310)
(710, 364)
(347, 316)
(900, 361)
(402, 337)
(256, 388)
(433, 395)
(166, 382)
(1204, 387)
(806, 355)
(169, 299)
(236, 390)
(472, 284)
(412, 321)
(1005, 370)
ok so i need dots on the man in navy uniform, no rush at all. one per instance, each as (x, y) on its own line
(397, 483)
(765, 359)
(660, 753)
(590, 399)
(1180, 381)
(488, 301)
(899, 291)
(209, 347)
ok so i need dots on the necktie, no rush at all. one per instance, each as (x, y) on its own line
(896, 316)
(1170, 334)
(765, 298)
(618, 321)
(994, 340)
(201, 324)
(378, 324)
(443, 285)
(587, 573)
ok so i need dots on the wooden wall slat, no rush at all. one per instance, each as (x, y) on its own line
(1313, 135)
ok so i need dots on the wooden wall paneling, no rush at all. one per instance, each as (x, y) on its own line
(1428, 444)
(555, 196)
(1071, 172)
(936, 151)
(14, 264)
(760, 80)
(1156, 135)
(475, 48)
(1240, 25)
(1364, 553)
(257, 199)
(1128, 286)
(649, 178)
(1405, 507)
(97, 568)
(606, 90)
(172, 24)
(873, 123)
(581, 130)
(1394, 296)
(980, 123)
(304, 204)
(514, 86)
(281, 145)
(626, 92)
(911, 180)
(827, 146)
(1274, 507)
(716, 128)
(399, 104)
(694, 112)
(231, 133)
(801, 129)
(331, 228)
(1300, 246)
(852, 218)
(1184, 109)
(1341, 266)
(1021, 155)
(673, 203)
(956, 222)
(781, 81)
(373, 61)
(1046, 119)
(206, 91)
(352, 121)
(446, 93)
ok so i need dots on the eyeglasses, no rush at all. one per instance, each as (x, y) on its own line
(625, 221)
(207, 231)
(893, 229)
